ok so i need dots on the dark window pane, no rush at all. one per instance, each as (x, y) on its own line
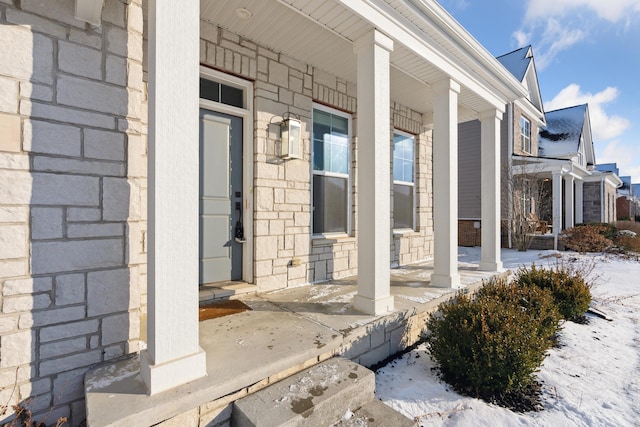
(209, 90)
(318, 155)
(329, 204)
(232, 96)
(402, 206)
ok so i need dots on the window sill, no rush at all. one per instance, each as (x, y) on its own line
(402, 232)
(330, 239)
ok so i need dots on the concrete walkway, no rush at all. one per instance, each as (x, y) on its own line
(284, 333)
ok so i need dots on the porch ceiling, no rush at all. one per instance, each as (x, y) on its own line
(322, 32)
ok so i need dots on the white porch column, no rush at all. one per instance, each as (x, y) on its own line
(569, 201)
(445, 184)
(490, 185)
(556, 206)
(374, 174)
(579, 201)
(173, 354)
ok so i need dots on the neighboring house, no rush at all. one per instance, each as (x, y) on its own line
(555, 149)
(580, 193)
(134, 181)
(627, 201)
(523, 118)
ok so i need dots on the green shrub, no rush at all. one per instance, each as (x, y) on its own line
(568, 286)
(493, 343)
(588, 237)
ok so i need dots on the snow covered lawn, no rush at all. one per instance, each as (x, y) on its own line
(593, 379)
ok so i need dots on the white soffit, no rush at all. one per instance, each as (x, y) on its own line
(89, 11)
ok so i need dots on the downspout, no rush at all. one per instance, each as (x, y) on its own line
(602, 201)
(510, 172)
(556, 230)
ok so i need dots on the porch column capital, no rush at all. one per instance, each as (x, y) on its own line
(492, 113)
(373, 38)
(445, 85)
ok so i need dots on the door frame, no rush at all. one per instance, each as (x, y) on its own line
(247, 153)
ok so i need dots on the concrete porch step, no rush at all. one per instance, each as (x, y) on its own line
(375, 414)
(317, 396)
(222, 291)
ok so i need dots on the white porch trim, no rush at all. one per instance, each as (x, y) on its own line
(445, 184)
(569, 201)
(579, 197)
(374, 173)
(491, 192)
(556, 201)
(173, 356)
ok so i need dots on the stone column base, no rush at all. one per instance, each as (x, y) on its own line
(373, 306)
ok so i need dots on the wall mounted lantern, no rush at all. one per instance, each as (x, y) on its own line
(291, 140)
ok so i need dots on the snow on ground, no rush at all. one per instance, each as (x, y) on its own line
(593, 379)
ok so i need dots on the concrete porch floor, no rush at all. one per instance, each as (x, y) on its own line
(285, 332)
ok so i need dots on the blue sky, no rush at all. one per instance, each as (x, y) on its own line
(586, 51)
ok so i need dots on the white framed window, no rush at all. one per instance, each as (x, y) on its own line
(525, 134)
(403, 180)
(331, 183)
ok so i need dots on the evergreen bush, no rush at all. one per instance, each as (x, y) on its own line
(571, 292)
(493, 343)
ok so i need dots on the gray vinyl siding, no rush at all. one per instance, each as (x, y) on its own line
(469, 170)
(504, 166)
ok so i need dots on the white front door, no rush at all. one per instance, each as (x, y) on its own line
(221, 226)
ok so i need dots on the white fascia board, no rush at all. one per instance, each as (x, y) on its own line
(89, 11)
(608, 177)
(459, 35)
(404, 35)
(531, 110)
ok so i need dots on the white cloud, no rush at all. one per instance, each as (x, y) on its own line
(603, 126)
(555, 25)
(555, 39)
(611, 10)
(522, 38)
(623, 155)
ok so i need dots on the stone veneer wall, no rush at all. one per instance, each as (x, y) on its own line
(285, 252)
(611, 212)
(591, 202)
(72, 199)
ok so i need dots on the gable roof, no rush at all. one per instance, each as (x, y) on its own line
(625, 188)
(517, 62)
(566, 128)
(608, 167)
(521, 64)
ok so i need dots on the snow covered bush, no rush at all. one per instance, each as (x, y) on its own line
(492, 343)
(567, 284)
(628, 238)
(588, 237)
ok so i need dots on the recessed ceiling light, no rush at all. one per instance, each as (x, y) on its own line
(243, 13)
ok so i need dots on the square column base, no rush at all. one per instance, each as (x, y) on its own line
(490, 266)
(441, 281)
(373, 306)
(162, 377)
